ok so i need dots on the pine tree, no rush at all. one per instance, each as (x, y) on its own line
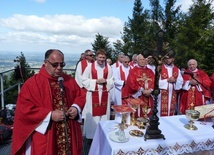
(195, 35)
(20, 74)
(136, 35)
(102, 42)
(156, 11)
(170, 20)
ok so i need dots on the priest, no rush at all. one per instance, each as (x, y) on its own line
(97, 79)
(140, 83)
(47, 116)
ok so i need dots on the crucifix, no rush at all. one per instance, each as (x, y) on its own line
(153, 132)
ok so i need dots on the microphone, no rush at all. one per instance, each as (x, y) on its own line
(60, 80)
(189, 73)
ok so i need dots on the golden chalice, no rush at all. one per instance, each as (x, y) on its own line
(146, 110)
(192, 115)
(133, 119)
(141, 122)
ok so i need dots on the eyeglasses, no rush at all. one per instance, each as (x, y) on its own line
(56, 64)
(91, 55)
(126, 62)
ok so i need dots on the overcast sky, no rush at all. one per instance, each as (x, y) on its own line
(68, 25)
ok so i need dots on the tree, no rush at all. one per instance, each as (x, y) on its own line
(102, 42)
(136, 34)
(195, 34)
(21, 73)
(156, 11)
(118, 47)
(170, 21)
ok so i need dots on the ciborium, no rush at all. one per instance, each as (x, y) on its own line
(192, 115)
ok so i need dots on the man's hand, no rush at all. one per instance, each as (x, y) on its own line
(101, 81)
(57, 115)
(72, 112)
(147, 92)
(193, 82)
(171, 80)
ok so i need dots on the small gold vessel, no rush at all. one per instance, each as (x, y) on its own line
(192, 115)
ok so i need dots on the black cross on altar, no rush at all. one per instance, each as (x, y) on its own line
(152, 131)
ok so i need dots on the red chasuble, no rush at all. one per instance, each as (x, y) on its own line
(99, 108)
(141, 77)
(39, 96)
(191, 98)
(165, 93)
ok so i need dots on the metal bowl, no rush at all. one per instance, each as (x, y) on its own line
(192, 115)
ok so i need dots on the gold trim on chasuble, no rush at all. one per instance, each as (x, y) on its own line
(59, 126)
(165, 94)
(143, 81)
(191, 98)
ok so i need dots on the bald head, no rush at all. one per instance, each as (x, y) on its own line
(192, 64)
(141, 61)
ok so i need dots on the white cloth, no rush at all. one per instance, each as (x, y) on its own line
(179, 140)
(78, 73)
(118, 83)
(163, 84)
(91, 122)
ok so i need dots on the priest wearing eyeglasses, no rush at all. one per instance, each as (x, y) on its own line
(82, 65)
(48, 111)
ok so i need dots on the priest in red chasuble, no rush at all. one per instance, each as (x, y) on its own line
(170, 82)
(140, 83)
(194, 92)
(98, 81)
(41, 124)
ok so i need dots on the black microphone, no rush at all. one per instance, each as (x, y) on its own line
(60, 80)
(189, 73)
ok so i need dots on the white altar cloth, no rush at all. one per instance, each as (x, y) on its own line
(179, 140)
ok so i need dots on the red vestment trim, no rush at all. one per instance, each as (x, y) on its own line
(131, 64)
(117, 64)
(124, 91)
(122, 74)
(83, 65)
(165, 93)
(99, 108)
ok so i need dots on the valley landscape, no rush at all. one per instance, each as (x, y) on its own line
(34, 59)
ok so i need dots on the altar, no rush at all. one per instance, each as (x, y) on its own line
(179, 140)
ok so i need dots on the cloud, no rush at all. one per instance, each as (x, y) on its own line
(64, 31)
(40, 1)
(185, 4)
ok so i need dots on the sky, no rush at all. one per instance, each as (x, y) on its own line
(68, 25)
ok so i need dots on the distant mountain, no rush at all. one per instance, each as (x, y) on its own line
(35, 60)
